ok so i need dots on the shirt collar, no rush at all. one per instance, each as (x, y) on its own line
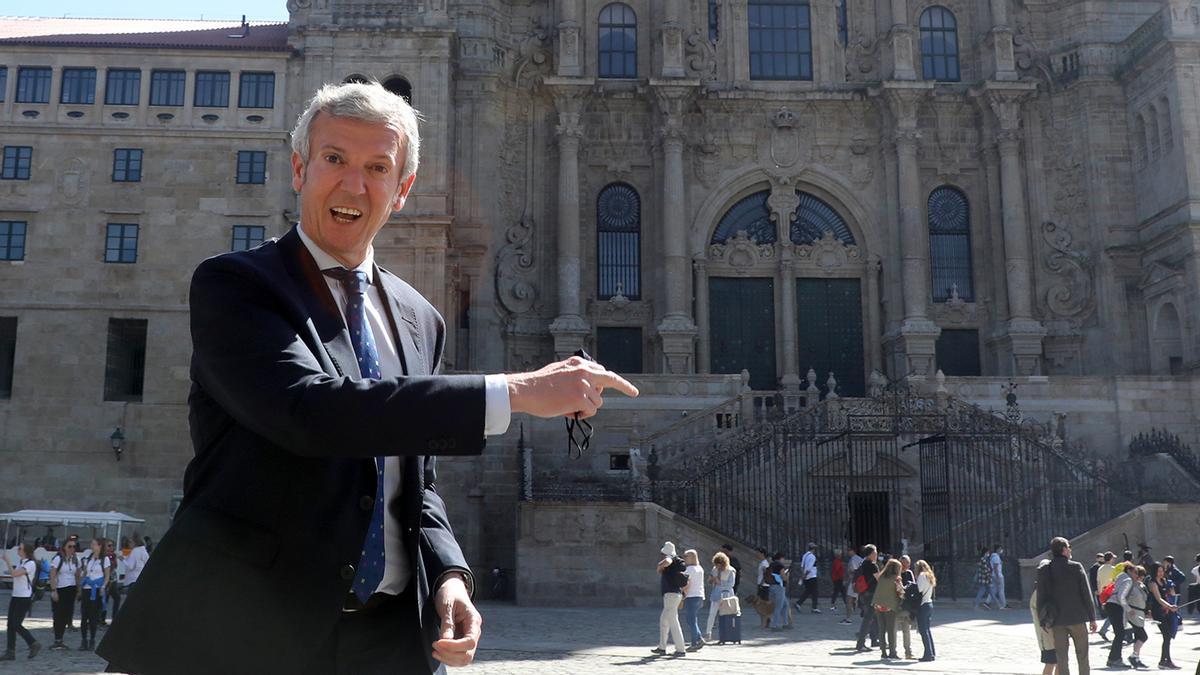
(325, 261)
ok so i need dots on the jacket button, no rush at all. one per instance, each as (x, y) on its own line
(347, 572)
(366, 503)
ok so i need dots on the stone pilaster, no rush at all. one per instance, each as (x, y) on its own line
(676, 330)
(1000, 40)
(700, 286)
(672, 40)
(570, 39)
(901, 42)
(787, 314)
(568, 328)
(917, 338)
(829, 58)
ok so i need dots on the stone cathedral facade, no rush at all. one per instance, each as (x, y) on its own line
(815, 192)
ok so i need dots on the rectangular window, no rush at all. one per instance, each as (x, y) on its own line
(127, 165)
(78, 86)
(246, 237)
(121, 243)
(958, 352)
(12, 239)
(252, 166)
(166, 87)
(17, 162)
(8, 353)
(3, 82)
(620, 349)
(780, 40)
(212, 89)
(619, 461)
(33, 84)
(124, 86)
(256, 90)
(125, 369)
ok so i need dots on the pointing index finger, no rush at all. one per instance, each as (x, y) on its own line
(610, 380)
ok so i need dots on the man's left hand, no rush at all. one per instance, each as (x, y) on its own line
(461, 624)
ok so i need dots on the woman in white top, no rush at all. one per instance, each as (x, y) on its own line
(926, 582)
(722, 579)
(23, 575)
(95, 571)
(693, 597)
(64, 577)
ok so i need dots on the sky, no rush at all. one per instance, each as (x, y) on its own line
(255, 10)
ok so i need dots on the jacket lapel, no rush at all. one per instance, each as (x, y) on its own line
(404, 318)
(314, 292)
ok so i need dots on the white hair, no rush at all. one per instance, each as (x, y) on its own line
(368, 102)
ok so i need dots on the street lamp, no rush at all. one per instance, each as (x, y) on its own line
(118, 442)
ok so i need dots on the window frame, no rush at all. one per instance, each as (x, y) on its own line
(164, 83)
(247, 240)
(758, 32)
(128, 78)
(3, 82)
(19, 162)
(250, 164)
(77, 87)
(930, 57)
(43, 79)
(212, 88)
(625, 26)
(258, 90)
(939, 265)
(623, 270)
(118, 329)
(7, 236)
(124, 165)
(121, 249)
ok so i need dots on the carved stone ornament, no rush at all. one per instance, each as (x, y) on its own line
(828, 253)
(701, 57)
(533, 54)
(862, 168)
(785, 138)
(620, 310)
(956, 311)
(741, 251)
(706, 159)
(1071, 296)
(515, 269)
(862, 58)
(73, 181)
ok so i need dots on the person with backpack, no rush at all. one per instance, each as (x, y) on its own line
(95, 577)
(1116, 607)
(1065, 605)
(64, 580)
(112, 592)
(865, 583)
(23, 579)
(983, 579)
(910, 604)
(808, 568)
(672, 580)
(852, 566)
(926, 582)
(1160, 596)
(777, 576)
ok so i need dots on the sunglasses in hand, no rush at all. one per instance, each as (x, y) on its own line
(575, 448)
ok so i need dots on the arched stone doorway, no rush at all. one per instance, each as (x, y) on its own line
(1167, 353)
(778, 306)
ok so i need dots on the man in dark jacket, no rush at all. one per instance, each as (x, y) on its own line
(1065, 605)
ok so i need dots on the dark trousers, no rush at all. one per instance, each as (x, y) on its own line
(839, 591)
(868, 621)
(375, 641)
(924, 618)
(1166, 633)
(114, 600)
(1116, 617)
(17, 609)
(810, 591)
(64, 611)
(89, 614)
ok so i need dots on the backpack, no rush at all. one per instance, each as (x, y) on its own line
(911, 602)
(1107, 593)
(676, 575)
(861, 585)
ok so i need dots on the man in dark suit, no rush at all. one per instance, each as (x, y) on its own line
(1065, 604)
(311, 538)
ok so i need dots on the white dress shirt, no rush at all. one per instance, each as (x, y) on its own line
(134, 565)
(497, 407)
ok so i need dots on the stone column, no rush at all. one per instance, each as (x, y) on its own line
(902, 43)
(1024, 334)
(569, 329)
(677, 330)
(874, 322)
(700, 286)
(672, 40)
(787, 318)
(918, 335)
(570, 40)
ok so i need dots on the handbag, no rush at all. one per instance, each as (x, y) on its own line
(729, 607)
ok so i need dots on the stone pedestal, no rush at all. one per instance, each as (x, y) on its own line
(678, 335)
(570, 331)
(1020, 347)
(916, 347)
(570, 40)
(1002, 63)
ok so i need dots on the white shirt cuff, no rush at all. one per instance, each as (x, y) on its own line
(497, 412)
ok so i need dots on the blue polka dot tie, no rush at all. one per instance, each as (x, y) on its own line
(371, 564)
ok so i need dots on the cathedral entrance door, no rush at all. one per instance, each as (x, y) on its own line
(830, 332)
(870, 519)
(742, 328)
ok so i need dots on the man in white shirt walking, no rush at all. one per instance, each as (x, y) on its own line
(808, 566)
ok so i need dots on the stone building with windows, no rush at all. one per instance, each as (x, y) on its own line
(818, 193)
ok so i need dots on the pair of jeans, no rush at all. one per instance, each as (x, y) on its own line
(1116, 617)
(691, 618)
(17, 609)
(984, 595)
(779, 618)
(64, 611)
(998, 592)
(924, 617)
(89, 615)
(668, 622)
(868, 619)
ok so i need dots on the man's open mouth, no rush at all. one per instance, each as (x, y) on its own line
(345, 214)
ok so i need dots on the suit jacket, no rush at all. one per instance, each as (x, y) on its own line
(1064, 597)
(253, 573)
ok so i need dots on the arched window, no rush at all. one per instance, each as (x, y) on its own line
(780, 40)
(619, 242)
(618, 41)
(950, 245)
(939, 44)
(1164, 114)
(814, 218)
(1139, 140)
(1152, 131)
(400, 87)
(714, 21)
(749, 215)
